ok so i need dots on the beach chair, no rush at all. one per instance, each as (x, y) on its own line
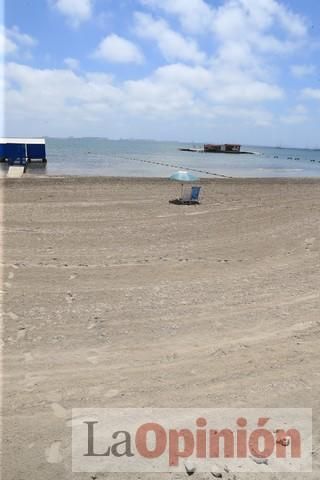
(195, 194)
(190, 196)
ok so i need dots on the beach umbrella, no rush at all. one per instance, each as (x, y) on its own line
(183, 177)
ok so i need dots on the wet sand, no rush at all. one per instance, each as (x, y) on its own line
(115, 298)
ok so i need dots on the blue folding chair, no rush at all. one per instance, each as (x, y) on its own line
(195, 194)
(190, 196)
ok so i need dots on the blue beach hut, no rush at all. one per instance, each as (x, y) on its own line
(22, 150)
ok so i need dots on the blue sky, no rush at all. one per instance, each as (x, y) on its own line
(193, 70)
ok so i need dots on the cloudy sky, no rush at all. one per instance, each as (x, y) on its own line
(193, 70)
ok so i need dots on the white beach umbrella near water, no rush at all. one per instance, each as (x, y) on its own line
(183, 177)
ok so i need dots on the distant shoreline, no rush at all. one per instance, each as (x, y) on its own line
(186, 142)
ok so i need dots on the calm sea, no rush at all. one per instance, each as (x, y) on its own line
(97, 156)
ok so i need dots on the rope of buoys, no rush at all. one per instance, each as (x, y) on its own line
(280, 157)
(206, 172)
(179, 167)
(284, 157)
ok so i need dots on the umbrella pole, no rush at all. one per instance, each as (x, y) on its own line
(181, 191)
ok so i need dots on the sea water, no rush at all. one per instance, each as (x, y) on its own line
(143, 158)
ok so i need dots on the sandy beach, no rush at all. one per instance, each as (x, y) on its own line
(115, 298)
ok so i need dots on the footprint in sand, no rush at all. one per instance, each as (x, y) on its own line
(28, 357)
(96, 390)
(112, 393)
(94, 360)
(59, 410)
(11, 275)
(69, 297)
(53, 454)
(32, 379)
(309, 243)
(12, 315)
(54, 397)
(21, 334)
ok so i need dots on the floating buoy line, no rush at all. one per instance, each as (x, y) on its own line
(285, 157)
(207, 172)
(170, 165)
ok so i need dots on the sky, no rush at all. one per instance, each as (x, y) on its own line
(243, 71)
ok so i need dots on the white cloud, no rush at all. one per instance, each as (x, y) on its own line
(198, 16)
(194, 78)
(296, 116)
(313, 93)
(233, 84)
(234, 80)
(21, 38)
(118, 50)
(217, 87)
(246, 90)
(55, 100)
(57, 97)
(150, 97)
(7, 46)
(246, 35)
(249, 117)
(302, 70)
(195, 15)
(72, 63)
(14, 42)
(172, 45)
(77, 11)
(264, 12)
(250, 22)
